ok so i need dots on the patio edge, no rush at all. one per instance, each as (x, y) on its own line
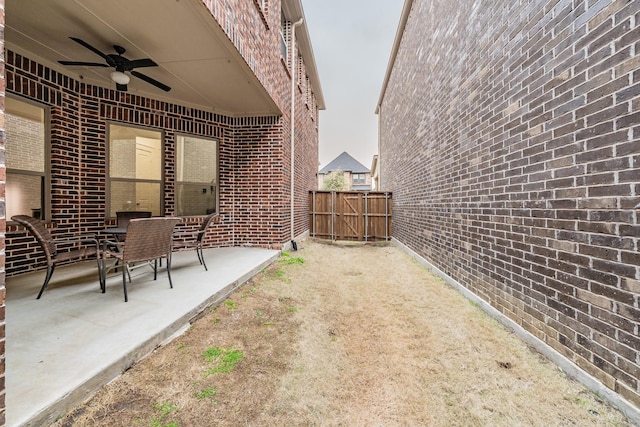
(88, 389)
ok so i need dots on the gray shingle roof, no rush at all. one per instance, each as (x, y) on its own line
(345, 163)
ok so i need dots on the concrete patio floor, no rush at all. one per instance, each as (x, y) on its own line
(62, 348)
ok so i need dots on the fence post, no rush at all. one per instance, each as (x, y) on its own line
(366, 217)
(386, 216)
(333, 214)
(313, 227)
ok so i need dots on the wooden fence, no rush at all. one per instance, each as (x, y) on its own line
(360, 216)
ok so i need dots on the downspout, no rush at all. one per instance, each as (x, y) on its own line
(294, 245)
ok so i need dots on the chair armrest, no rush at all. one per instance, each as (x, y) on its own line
(111, 244)
(81, 239)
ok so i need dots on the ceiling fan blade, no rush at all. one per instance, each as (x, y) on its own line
(139, 63)
(86, 64)
(88, 46)
(151, 81)
(121, 88)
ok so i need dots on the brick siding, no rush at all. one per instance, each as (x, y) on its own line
(510, 139)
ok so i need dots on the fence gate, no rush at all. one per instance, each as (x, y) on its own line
(342, 215)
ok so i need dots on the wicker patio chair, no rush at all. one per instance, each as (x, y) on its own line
(50, 246)
(193, 239)
(148, 240)
(123, 218)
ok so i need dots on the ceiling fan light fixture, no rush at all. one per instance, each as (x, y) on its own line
(120, 78)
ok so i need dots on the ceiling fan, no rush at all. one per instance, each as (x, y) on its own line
(120, 64)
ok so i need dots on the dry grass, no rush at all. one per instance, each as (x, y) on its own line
(357, 336)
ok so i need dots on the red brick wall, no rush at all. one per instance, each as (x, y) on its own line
(510, 139)
(255, 31)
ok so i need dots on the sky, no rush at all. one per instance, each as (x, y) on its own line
(351, 41)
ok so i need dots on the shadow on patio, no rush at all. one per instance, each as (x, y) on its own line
(62, 348)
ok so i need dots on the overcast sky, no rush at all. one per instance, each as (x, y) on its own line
(351, 41)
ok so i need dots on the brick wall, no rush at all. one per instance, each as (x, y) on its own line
(254, 27)
(510, 139)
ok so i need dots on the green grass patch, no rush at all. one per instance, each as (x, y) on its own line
(287, 259)
(164, 410)
(206, 393)
(230, 304)
(291, 260)
(224, 360)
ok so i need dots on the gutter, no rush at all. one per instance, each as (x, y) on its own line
(294, 245)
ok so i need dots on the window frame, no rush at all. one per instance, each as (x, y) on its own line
(284, 38)
(355, 181)
(217, 172)
(109, 179)
(45, 198)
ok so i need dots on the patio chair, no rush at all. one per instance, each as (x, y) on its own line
(193, 239)
(123, 218)
(148, 240)
(51, 249)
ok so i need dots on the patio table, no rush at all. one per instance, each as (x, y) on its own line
(117, 232)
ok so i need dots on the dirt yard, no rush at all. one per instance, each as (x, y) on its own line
(345, 336)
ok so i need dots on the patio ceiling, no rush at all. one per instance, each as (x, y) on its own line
(195, 57)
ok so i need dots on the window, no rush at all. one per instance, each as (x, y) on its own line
(196, 176)
(358, 178)
(26, 159)
(284, 49)
(135, 170)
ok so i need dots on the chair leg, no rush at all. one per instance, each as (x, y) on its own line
(124, 282)
(155, 268)
(201, 256)
(50, 270)
(169, 270)
(103, 273)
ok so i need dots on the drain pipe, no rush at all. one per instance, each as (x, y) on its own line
(294, 58)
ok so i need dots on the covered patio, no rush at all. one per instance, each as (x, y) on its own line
(62, 348)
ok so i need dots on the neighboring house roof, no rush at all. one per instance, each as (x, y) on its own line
(345, 163)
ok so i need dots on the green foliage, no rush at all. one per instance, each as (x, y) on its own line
(335, 181)
(291, 261)
(164, 409)
(287, 259)
(212, 353)
(206, 393)
(223, 359)
(230, 304)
